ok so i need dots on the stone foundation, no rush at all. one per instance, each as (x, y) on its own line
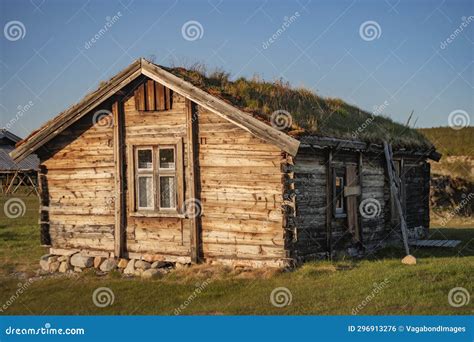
(79, 262)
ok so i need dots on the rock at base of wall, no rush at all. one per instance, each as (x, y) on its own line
(82, 261)
(162, 264)
(122, 263)
(130, 269)
(108, 265)
(142, 264)
(64, 267)
(77, 269)
(54, 266)
(98, 261)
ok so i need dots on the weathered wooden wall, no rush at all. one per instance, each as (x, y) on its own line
(167, 238)
(316, 231)
(241, 193)
(78, 170)
(416, 174)
(308, 227)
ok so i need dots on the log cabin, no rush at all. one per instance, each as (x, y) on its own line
(167, 164)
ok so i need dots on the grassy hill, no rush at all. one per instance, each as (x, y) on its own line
(457, 147)
(451, 142)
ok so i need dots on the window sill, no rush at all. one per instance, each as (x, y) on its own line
(157, 214)
(340, 216)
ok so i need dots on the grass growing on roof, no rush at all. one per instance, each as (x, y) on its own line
(311, 114)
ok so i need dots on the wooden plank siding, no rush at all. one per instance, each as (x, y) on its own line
(241, 193)
(163, 238)
(79, 180)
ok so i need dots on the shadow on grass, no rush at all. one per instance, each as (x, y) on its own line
(464, 249)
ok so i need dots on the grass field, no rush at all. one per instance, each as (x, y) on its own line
(380, 285)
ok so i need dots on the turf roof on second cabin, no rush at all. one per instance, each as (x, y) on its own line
(311, 114)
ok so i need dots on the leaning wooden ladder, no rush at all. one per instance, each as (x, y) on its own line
(395, 186)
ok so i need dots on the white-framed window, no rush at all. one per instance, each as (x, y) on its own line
(158, 178)
(167, 177)
(144, 178)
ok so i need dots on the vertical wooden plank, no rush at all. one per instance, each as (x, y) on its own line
(191, 144)
(352, 222)
(150, 95)
(140, 97)
(180, 175)
(168, 98)
(359, 217)
(160, 96)
(329, 204)
(45, 236)
(119, 233)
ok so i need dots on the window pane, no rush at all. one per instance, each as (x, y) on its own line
(167, 158)
(339, 190)
(145, 159)
(167, 192)
(145, 192)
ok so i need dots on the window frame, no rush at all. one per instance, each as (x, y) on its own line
(156, 172)
(339, 212)
(166, 172)
(144, 173)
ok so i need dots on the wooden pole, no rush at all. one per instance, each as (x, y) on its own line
(119, 232)
(191, 143)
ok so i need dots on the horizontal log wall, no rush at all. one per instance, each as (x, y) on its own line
(241, 193)
(311, 192)
(417, 186)
(309, 224)
(376, 229)
(78, 180)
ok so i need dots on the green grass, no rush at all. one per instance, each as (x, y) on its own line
(318, 288)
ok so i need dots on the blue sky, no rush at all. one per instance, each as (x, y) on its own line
(405, 66)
